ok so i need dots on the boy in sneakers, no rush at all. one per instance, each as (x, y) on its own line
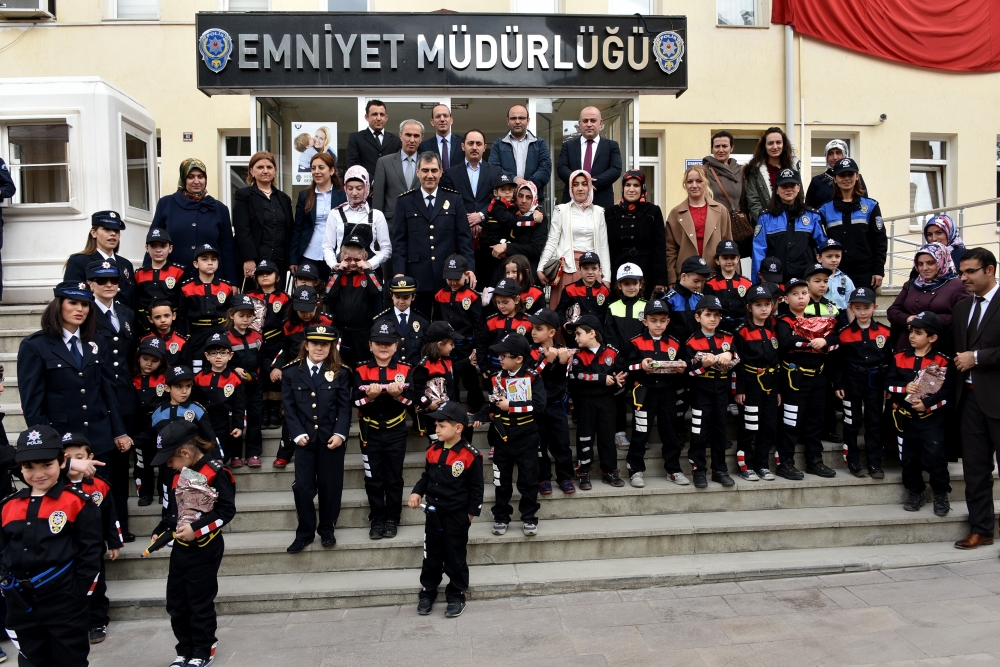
(654, 394)
(552, 361)
(920, 425)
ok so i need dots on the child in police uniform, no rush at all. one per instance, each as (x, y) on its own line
(275, 308)
(158, 278)
(220, 391)
(462, 308)
(552, 363)
(162, 319)
(151, 387)
(204, 307)
(623, 323)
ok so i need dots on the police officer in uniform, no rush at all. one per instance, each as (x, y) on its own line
(410, 324)
(76, 265)
(7, 191)
(788, 230)
(430, 223)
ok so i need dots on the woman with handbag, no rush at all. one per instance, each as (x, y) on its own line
(636, 234)
(577, 227)
(726, 182)
(696, 225)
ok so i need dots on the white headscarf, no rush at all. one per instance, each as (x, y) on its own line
(358, 173)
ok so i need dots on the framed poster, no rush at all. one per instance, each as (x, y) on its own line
(308, 139)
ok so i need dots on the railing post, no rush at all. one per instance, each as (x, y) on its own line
(961, 221)
(892, 252)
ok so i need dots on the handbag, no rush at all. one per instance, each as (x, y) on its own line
(553, 270)
(740, 223)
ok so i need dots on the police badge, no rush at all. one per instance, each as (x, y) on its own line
(774, 342)
(160, 388)
(97, 497)
(57, 521)
(276, 306)
(399, 378)
(804, 220)
(531, 300)
(609, 360)
(170, 282)
(446, 205)
(600, 299)
(189, 415)
(671, 353)
(222, 297)
(725, 347)
(521, 330)
(878, 222)
(742, 290)
(329, 376)
(668, 49)
(756, 230)
(173, 347)
(93, 346)
(228, 390)
(880, 341)
(215, 47)
(864, 209)
(416, 326)
(466, 302)
(457, 468)
(364, 282)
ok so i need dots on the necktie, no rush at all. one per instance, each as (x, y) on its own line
(315, 373)
(402, 323)
(977, 313)
(378, 136)
(588, 157)
(74, 350)
(445, 157)
(113, 318)
(408, 170)
(430, 202)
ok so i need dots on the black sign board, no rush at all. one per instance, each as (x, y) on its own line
(253, 52)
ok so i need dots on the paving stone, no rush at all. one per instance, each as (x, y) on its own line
(844, 598)
(691, 609)
(730, 656)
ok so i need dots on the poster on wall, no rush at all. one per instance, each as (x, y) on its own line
(308, 139)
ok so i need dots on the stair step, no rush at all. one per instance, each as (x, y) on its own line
(10, 339)
(20, 317)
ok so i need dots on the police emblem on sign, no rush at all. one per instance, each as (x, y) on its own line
(668, 49)
(457, 468)
(466, 303)
(228, 390)
(57, 521)
(215, 47)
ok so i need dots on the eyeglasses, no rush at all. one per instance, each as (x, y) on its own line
(506, 355)
(220, 352)
(105, 281)
(971, 272)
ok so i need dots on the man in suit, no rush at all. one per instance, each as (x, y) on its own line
(7, 191)
(976, 326)
(365, 147)
(522, 154)
(431, 224)
(599, 157)
(447, 145)
(397, 173)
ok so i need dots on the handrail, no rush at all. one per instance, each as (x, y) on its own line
(943, 209)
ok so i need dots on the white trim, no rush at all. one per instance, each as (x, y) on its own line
(223, 6)
(148, 137)
(111, 9)
(70, 118)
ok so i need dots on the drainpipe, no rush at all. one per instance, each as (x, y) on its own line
(790, 82)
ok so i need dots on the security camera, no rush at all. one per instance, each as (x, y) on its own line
(882, 118)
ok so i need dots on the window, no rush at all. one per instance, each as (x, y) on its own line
(39, 163)
(137, 9)
(928, 162)
(649, 164)
(236, 155)
(740, 13)
(136, 171)
(537, 6)
(629, 7)
(347, 6)
(817, 152)
(248, 5)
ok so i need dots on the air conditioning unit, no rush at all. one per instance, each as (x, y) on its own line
(13, 10)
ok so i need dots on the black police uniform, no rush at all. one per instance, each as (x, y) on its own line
(857, 225)
(247, 356)
(175, 347)
(731, 292)
(99, 492)
(594, 404)
(317, 405)
(757, 379)
(204, 310)
(152, 393)
(452, 487)
(222, 396)
(7, 191)
(428, 369)
(710, 389)
(592, 299)
(463, 310)
(520, 233)
(76, 265)
(412, 330)
(275, 309)
(353, 299)
(155, 284)
(553, 424)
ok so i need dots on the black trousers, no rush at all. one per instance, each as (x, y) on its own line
(223, 424)
(863, 402)
(382, 452)
(802, 414)
(318, 470)
(921, 447)
(654, 405)
(709, 403)
(354, 348)
(595, 428)
(446, 536)
(758, 424)
(621, 411)
(286, 448)
(980, 441)
(192, 584)
(252, 440)
(99, 602)
(553, 436)
(521, 450)
(56, 632)
(143, 472)
(115, 473)
(467, 374)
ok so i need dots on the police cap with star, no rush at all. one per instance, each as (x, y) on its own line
(175, 374)
(206, 249)
(265, 266)
(787, 177)
(709, 302)
(353, 241)
(771, 270)
(829, 244)
(845, 165)
(38, 443)
(758, 292)
(513, 343)
(102, 268)
(304, 298)
(455, 267)
(655, 307)
(502, 179)
(928, 321)
(507, 287)
(696, 264)
(152, 346)
(70, 289)
(384, 331)
(108, 220)
(629, 270)
(450, 411)
(862, 295)
(241, 302)
(727, 247)
(307, 270)
(157, 235)
(403, 285)
(438, 331)
(172, 436)
(589, 258)
(219, 339)
(544, 316)
(75, 440)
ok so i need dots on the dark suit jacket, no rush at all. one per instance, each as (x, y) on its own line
(457, 178)
(305, 222)
(248, 223)
(123, 345)
(76, 270)
(422, 239)
(455, 148)
(986, 375)
(363, 149)
(606, 168)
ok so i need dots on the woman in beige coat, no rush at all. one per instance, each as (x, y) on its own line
(696, 225)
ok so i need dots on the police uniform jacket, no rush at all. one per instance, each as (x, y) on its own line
(730, 292)
(411, 341)
(204, 304)
(100, 493)
(174, 347)
(857, 224)
(207, 526)
(152, 284)
(682, 305)
(624, 321)
(589, 371)
(319, 409)
(453, 478)
(57, 393)
(497, 327)
(757, 347)
(384, 407)
(246, 353)
(795, 349)
(46, 534)
(190, 411)
(533, 300)
(76, 270)
(555, 375)
(791, 236)
(422, 239)
(592, 299)
(463, 310)
(522, 405)
(862, 349)
(123, 345)
(354, 298)
(428, 369)
(665, 348)
(294, 334)
(719, 343)
(222, 395)
(903, 370)
(151, 393)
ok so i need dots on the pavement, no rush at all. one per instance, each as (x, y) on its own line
(944, 614)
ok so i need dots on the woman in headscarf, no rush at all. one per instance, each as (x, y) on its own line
(942, 229)
(192, 217)
(636, 233)
(521, 230)
(935, 290)
(577, 227)
(356, 217)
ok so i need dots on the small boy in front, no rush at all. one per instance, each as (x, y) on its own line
(588, 292)
(410, 324)
(452, 489)
(157, 278)
(829, 254)
(920, 426)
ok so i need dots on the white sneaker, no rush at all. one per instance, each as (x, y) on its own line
(637, 480)
(766, 474)
(499, 528)
(679, 479)
(621, 441)
(733, 410)
(749, 475)
(530, 529)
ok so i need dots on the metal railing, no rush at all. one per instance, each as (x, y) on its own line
(902, 245)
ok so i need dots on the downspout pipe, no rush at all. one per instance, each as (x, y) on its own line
(790, 82)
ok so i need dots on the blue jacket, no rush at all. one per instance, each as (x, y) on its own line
(537, 164)
(191, 223)
(305, 223)
(793, 241)
(422, 239)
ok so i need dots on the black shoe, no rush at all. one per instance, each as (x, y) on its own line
(700, 479)
(833, 436)
(99, 634)
(389, 530)
(454, 609)
(788, 471)
(856, 469)
(128, 537)
(585, 484)
(376, 530)
(914, 502)
(424, 606)
(876, 472)
(820, 469)
(297, 546)
(145, 501)
(722, 478)
(328, 541)
(729, 444)
(613, 479)
(941, 504)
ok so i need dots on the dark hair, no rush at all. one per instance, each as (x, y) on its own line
(589, 329)
(760, 152)
(982, 255)
(328, 160)
(431, 350)
(429, 156)
(479, 132)
(524, 275)
(257, 157)
(87, 448)
(642, 286)
(198, 445)
(156, 303)
(332, 361)
(774, 206)
(518, 302)
(52, 323)
(374, 103)
(90, 247)
(135, 363)
(722, 134)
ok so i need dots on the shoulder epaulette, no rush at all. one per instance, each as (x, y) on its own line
(612, 348)
(449, 190)
(384, 312)
(83, 495)
(408, 191)
(472, 449)
(810, 209)
(290, 363)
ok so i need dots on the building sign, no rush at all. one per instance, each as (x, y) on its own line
(245, 53)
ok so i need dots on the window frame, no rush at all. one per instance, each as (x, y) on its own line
(224, 7)
(659, 193)
(761, 16)
(324, 6)
(228, 161)
(127, 125)
(72, 121)
(928, 165)
(112, 12)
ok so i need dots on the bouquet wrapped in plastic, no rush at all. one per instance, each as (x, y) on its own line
(572, 313)
(436, 390)
(259, 312)
(676, 366)
(812, 328)
(929, 380)
(383, 387)
(696, 361)
(194, 498)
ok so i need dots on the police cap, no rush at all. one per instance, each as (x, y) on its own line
(102, 268)
(108, 220)
(709, 302)
(845, 165)
(455, 267)
(157, 235)
(384, 331)
(928, 321)
(696, 264)
(450, 411)
(545, 316)
(507, 287)
(177, 374)
(862, 295)
(403, 285)
(241, 302)
(172, 436)
(513, 343)
(38, 443)
(438, 331)
(70, 289)
(304, 298)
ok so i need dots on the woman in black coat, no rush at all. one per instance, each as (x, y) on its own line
(262, 219)
(636, 233)
(103, 242)
(72, 390)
